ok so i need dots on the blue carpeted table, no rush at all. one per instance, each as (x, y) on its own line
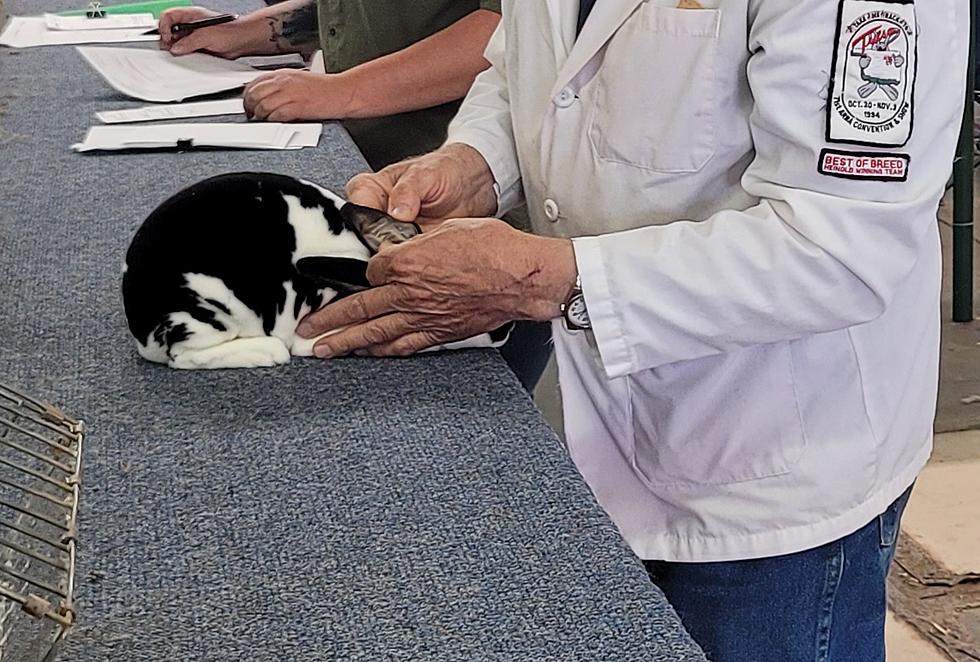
(350, 510)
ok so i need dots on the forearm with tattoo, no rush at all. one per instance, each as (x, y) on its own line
(296, 29)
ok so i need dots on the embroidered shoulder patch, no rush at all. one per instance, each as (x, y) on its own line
(864, 165)
(870, 101)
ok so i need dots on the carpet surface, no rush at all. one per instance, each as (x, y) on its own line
(355, 509)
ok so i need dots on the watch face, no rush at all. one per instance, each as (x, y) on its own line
(577, 314)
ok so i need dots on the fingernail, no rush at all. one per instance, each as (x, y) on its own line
(304, 331)
(322, 352)
(399, 211)
(361, 352)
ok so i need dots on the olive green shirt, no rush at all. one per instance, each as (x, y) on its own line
(353, 32)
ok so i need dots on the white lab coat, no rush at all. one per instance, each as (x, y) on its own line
(761, 378)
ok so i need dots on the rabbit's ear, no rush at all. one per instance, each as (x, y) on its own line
(344, 274)
(357, 215)
(374, 227)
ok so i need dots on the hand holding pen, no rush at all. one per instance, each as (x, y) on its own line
(185, 30)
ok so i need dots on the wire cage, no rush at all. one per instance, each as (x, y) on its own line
(40, 464)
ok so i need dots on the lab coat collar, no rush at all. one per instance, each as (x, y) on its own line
(605, 19)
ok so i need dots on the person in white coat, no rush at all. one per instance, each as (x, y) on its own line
(734, 212)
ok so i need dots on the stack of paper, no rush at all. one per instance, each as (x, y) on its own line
(27, 31)
(265, 135)
(155, 75)
(116, 22)
(155, 7)
(173, 111)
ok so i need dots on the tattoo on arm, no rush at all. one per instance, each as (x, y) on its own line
(295, 30)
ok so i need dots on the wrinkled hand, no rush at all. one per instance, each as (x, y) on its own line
(464, 278)
(228, 40)
(452, 182)
(288, 95)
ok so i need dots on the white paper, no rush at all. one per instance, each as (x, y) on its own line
(24, 32)
(304, 135)
(245, 135)
(317, 64)
(155, 75)
(109, 22)
(173, 111)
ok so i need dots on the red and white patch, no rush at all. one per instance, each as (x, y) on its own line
(864, 165)
(873, 80)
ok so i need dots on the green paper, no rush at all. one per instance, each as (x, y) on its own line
(155, 7)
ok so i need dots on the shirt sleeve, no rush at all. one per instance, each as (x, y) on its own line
(492, 5)
(818, 252)
(484, 123)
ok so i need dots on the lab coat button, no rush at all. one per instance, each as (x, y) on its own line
(565, 98)
(551, 210)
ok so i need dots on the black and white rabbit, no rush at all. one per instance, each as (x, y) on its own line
(219, 275)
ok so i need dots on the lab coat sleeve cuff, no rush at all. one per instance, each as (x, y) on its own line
(607, 326)
(502, 162)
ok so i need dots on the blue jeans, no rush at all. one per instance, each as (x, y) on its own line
(821, 605)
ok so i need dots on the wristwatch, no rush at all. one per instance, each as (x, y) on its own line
(574, 311)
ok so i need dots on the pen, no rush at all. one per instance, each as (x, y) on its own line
(190, 26)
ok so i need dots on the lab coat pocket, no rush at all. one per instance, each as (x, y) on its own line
(722, 419)
(654, 95)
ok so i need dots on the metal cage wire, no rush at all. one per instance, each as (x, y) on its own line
(40, 470)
